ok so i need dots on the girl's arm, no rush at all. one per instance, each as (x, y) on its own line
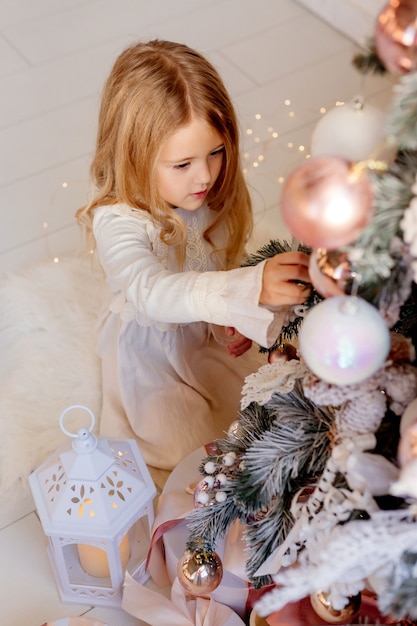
(227, 298)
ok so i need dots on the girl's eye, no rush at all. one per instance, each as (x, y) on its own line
(217, 152)
(181, 166)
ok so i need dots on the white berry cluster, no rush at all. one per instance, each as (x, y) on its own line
(211, 488)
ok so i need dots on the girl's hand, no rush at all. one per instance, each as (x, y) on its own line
(239, 344)
(281, 279)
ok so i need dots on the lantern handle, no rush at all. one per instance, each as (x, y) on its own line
(70, 408)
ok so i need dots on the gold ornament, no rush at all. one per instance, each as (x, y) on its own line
(200, 572)
(323, 608)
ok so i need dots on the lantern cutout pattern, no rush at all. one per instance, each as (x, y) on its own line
(94, 499)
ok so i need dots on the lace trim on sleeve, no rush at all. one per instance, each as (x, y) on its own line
(209, 288)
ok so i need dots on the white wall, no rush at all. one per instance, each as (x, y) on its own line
(353, 18)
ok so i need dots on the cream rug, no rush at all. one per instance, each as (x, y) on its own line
(47, 362)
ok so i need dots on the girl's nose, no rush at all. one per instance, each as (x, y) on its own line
(203, 174)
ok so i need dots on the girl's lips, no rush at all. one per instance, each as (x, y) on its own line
(200, 194)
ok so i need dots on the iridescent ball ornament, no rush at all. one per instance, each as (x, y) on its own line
(326, 202)
(331, 272)
(344, 340)
(396, 36)
(200, 572)
(323, 608)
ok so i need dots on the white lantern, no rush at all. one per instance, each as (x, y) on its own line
(94, 499)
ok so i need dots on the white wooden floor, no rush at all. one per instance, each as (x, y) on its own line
(279, 61)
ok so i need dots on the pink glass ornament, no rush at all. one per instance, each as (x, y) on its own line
(396, 36)
(344, 340)
(326, 203)
(331, 272)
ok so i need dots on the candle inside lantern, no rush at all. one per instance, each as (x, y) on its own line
(94, 560)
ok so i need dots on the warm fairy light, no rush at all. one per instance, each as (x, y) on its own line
(65, 185)
(56, 259)
(260, 140)
(45, 225)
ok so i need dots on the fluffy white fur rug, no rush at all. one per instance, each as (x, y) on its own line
(48, 361)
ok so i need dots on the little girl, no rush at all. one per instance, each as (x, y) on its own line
(170, 218)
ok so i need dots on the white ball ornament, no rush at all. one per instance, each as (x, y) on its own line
(344, 340)
(352, 131)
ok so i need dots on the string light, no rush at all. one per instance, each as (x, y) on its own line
(55, 204)
(264, 136)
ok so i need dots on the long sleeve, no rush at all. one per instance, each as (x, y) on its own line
(125, 245)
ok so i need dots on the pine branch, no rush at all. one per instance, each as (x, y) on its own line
(368, 62)
(380, 269)
(289, 455)
(402, 119)
(208, 524)
(400, 597)
(265, 533)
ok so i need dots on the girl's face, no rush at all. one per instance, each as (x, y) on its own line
(188, 164)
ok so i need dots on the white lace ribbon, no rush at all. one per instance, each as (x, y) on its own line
(277, 377)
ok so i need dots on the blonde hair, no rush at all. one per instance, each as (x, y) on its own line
(153, 89)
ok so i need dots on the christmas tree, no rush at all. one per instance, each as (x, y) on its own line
(320, 466)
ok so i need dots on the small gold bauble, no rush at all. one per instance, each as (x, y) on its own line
(200, 572)
(324, 609)
(284, 352)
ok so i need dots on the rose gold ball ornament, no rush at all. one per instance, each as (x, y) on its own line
(326, 202)
(323, 608)
(331, 272)
(344, 340)
(200, 572)
(352, 131)
(396, 36)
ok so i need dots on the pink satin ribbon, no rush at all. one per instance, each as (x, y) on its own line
(157, 610)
